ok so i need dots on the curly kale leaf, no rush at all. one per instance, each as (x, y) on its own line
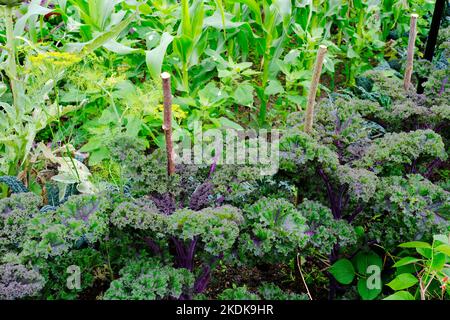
(361, 182)
(15, 212)
(437, 87)
(201, 197)
(298, 150)
(141, 215)
(238, 293)
(275, 230)
(149, 280)
(342, 119)
(270, 291)
(88, 260)
(86, 216)
(407, 110)
(143, 172)
(387, 83)
(17, 282)
(410, 208)
(267, 291)
(441, 112)
(236, 184)
(390, 154)
(325, 231)
(165, 203)
(52, 233)
(217, 228)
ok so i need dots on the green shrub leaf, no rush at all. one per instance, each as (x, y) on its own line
(401, 295)
(444, 248)
(365, 292)
(403, 281)
(365, 259)
(343, 271)
(415, 244)
(405, 261)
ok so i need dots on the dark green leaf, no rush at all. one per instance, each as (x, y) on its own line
(365, 259)
(365, 292)
(343, 271)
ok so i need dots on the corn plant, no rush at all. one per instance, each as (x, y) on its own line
(97, 14)
(272, 21)
(190, 41)
(100, 19)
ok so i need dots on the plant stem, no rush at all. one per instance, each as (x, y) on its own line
(299, 265)
(265, 79)
(263, 110)
(333, 283)
(222, 16)
(185, 74)
(167, 126)
(10, 44)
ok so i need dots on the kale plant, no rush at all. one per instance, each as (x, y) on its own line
(323, 230)
(267, 291)
(17, 282)
(81, 219)
(407, 208)
(192, 186)
(358, 165)
(238, 293)
(396, 153)
(143, 172)
(148, 279)
(398, 110)
(15, 213)
(214, 230)
(92, 266)
(276, 230)
(270, 291)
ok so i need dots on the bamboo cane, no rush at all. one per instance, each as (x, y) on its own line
(313, 90)
(167, 125)
(410, 57)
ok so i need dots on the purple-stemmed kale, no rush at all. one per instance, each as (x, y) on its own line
(212, 231)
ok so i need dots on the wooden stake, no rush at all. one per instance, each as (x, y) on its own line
(313, 90)
(167, 125)
(410, 58)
